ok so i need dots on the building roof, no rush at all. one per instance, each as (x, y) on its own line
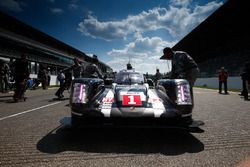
(20, 34)
(224, 32)
(13, 27)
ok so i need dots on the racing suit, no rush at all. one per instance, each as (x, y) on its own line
(77, 70)
(21, 73)
(66, 84)
(4, 77)
(245, 76)
(183, 66)
(92, 71)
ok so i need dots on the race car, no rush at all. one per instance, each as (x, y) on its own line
(130, 100)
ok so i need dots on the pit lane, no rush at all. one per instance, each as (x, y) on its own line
(31, 135)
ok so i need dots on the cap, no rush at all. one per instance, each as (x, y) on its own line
(163, 57)
(166, 49)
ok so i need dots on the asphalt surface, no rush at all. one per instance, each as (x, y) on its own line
(31, 135)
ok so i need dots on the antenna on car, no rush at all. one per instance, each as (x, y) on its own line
(129, 66)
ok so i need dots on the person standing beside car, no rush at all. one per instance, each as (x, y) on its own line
(157, 76)
(223, 75)
(4, 77)
(48, 76)
(42, 76)
(92, 70)
(65, 82)
(183, 65)
(61, 77)
(21, 74)
(77, 68)
(245, 76)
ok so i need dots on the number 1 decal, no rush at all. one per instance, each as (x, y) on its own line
(131, 100)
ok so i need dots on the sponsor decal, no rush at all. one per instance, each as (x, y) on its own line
(154, 100)
(157, 104)
(106, 105)
(130, 98)
(108, 100)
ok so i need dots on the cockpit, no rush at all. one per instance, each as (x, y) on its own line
(128, 78)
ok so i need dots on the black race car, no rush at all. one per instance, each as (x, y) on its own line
(129, 100)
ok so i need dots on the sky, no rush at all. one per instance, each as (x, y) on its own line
(117, 31)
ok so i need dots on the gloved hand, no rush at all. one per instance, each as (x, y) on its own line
(180, 76)
(177, 76)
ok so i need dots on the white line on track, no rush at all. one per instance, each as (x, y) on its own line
(27, 111)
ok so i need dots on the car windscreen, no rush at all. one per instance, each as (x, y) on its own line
(129, 78)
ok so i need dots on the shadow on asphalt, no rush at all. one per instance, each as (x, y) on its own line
(248, 99)
(120, 141)
(6, 101)
(58, 99)
(6, 98)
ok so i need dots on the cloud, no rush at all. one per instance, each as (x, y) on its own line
(178, 21)
(56, 10)
(180, 2)
(73, 6)
(12, 5)
(103, 30)
(204, 11)
(143, 52)
(140, 65)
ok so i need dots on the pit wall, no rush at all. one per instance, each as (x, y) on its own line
(53, 80)
(232, 82)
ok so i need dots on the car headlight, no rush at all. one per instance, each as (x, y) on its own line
(79, 93)
(183, 95)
